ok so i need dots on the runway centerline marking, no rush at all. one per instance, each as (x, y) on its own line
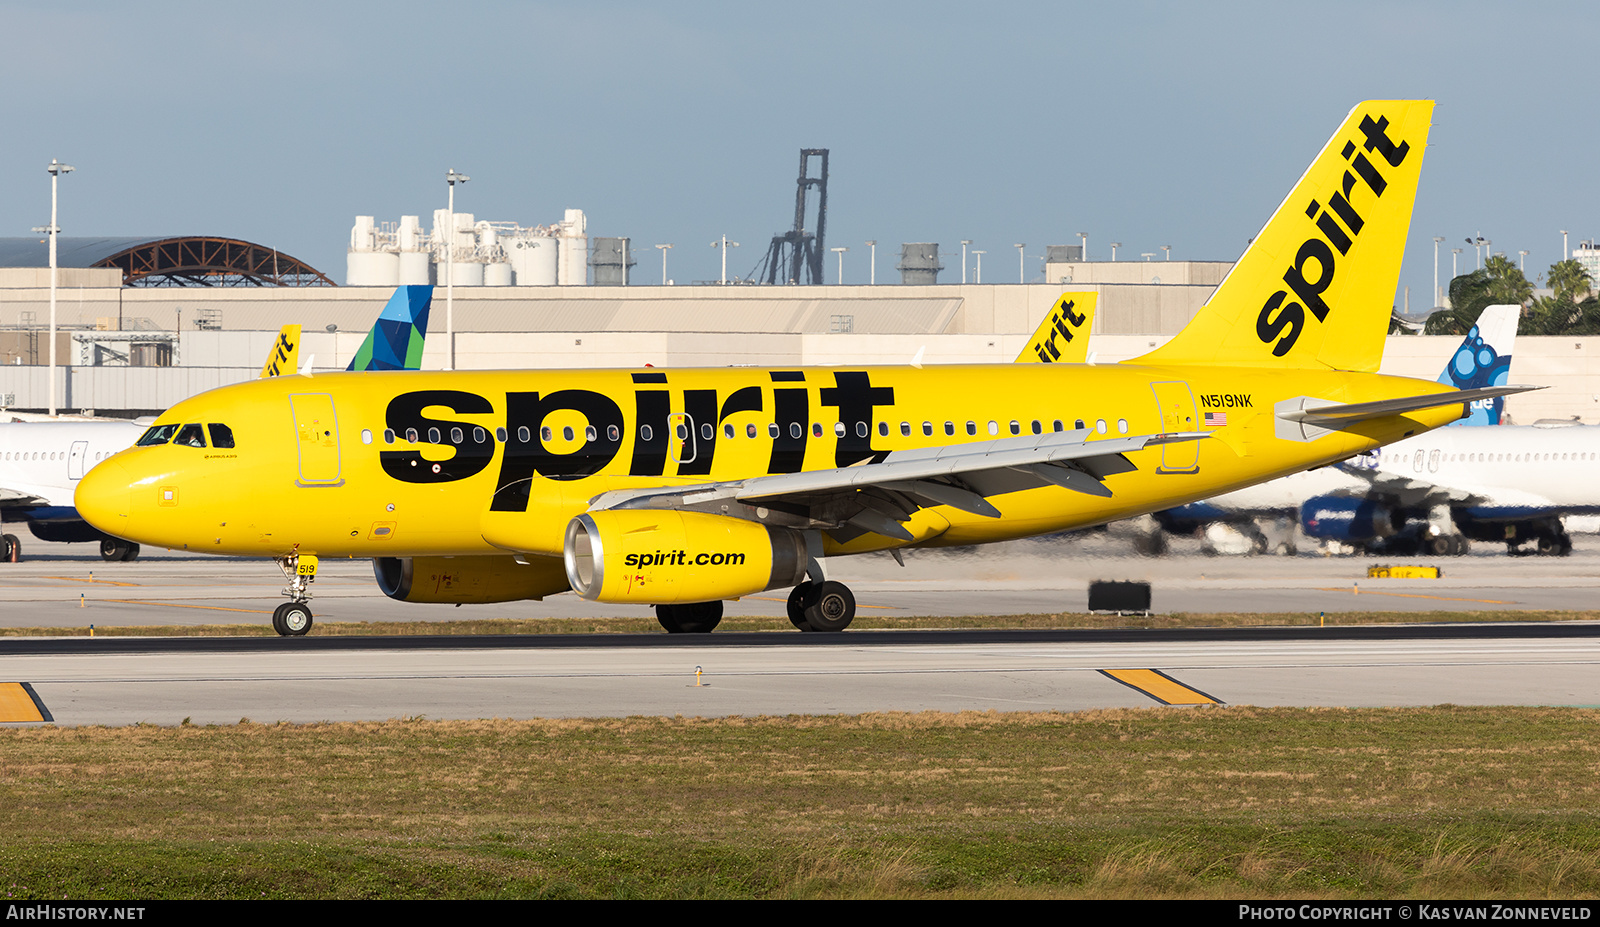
(18, 702)
(1160, 686)
(1417, 595)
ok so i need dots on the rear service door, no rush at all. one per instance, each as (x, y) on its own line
(317, 434)
(1177, 414)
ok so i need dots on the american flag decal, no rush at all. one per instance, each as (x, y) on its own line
(1216, 419)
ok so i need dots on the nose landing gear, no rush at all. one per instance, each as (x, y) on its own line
(293, 618)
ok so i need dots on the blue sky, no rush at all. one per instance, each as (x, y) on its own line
(1147, 123)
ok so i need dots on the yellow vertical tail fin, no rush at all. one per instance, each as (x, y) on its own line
(1063, 336)
(284, 354)
(1316, 286)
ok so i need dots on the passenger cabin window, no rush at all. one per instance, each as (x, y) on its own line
(388, 436)
(883, 429)
(158, 434)
(434, 436)
(972, 428)
(191, 436)
(927, 428)
(949, 428)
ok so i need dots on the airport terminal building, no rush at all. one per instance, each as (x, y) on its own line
(145, 323)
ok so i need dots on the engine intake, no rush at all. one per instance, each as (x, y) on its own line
(659, 557)
(1343, 518)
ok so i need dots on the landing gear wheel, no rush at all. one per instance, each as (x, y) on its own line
(831, 607)
(10, 548)
(292, 619)
(1441, 546)
(799, 598)
(113, 549)
(695, 618)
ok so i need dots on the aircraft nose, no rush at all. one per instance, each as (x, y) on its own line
(103, 497)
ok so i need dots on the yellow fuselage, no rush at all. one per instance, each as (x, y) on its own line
(345, 465)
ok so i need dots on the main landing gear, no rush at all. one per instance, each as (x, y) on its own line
(10, 549)
(824, 606)
(115, 549)
(694, 618)
(293, 618)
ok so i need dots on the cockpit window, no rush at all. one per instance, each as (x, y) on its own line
(158, 434)
(191, 436)
(221, 435)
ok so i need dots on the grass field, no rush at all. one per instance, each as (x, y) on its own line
(1447, 802)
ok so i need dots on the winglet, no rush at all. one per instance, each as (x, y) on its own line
(281, 359)
(1063, 336)
(395, 342)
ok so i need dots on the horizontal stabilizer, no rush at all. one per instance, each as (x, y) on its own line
(1335, 416)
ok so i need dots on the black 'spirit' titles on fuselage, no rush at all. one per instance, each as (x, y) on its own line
(695, 431)
(1312, 272)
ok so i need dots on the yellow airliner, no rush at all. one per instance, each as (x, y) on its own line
(683, 488)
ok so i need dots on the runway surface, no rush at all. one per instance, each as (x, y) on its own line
(1030, 577)
(101, 682)
(302, 685)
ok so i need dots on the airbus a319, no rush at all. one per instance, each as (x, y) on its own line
(685, 488)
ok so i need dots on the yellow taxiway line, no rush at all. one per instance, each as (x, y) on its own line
(1160, 686)
(18, 702)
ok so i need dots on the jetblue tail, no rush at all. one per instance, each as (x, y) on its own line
(395, 342)
(1484, 359)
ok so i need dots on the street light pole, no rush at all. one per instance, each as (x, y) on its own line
(725, 244)
(1114, 246)
(840, 252)
(1022, 273)
(873, 279)
(1168, 249)
(1083, 247)
(451, 178)
(1522, 261)
(977, 276)
(1437, 298)
(56, 169)
(663, 249)
(964, 243)
(1565, 254)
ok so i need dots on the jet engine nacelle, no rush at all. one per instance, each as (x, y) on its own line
(1343, 518)
(658, 557)
(469, 580)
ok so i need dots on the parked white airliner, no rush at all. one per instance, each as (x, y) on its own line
(1430, 494)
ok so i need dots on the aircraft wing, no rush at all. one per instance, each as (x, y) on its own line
(14, 498)
(881, 496)
(1409, 490)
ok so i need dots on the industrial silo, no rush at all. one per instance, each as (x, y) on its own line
(573, 266)
(416, 263)
(368, 263)
(919, 263)
(533, 257)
